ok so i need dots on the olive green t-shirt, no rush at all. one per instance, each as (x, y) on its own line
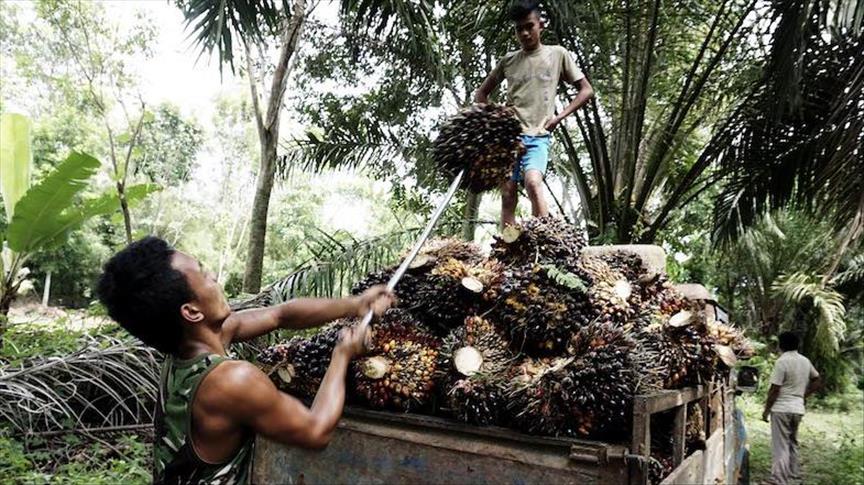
(532, 82)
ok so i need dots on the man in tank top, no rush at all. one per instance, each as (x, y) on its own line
(533, 74)
(210, 406)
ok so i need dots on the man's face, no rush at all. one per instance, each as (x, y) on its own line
(209, 299)
(528, 31)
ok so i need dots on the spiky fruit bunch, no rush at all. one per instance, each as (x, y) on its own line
(483, 139)
(658, 295)
(627, 263)
(612, 295)
(299, 365)
(732, 338)
(447, 282)
(544, 240)
(482, 279)
(398, 373)
(472, 365)
(539, 310)
(585, 394)
(440, 249)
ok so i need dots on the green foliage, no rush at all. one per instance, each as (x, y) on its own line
(15, 159)
(831, 444)
(167, 147)
(565, 278)
(73, 460)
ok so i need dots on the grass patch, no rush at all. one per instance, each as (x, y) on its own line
(832, 444)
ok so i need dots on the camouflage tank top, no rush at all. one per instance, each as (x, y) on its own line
(175, 460)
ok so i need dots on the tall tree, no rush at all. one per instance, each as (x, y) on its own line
(217, 23)
(79, 56)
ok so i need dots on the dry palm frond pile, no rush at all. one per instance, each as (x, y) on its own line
(537, 336)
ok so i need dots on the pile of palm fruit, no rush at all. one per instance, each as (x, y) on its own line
(536, 336)
(484, 140)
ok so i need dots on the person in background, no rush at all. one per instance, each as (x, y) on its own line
(793, 379)
(533, 73)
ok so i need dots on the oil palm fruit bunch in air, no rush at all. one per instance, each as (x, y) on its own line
(472, 368)
(541, 239)
(399, 371)
(484, 140)
(612, 296)
(540, 306)
(584, 394)
(298, 366)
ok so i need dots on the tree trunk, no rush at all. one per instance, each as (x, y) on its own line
(469, 215)
(258, 221)
(46, 292)
(124, 208)
(268, 134)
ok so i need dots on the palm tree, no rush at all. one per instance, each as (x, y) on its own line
(799, 141)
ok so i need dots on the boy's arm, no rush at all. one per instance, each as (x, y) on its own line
(585, 93)
(303, 313)
(489, 85)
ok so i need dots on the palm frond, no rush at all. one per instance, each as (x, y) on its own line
(852, 275)
(369, 147)
(800, 288)
(810, 157)
(338, 267)
(108, 382)
(215, 23)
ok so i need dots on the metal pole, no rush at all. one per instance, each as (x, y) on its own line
(418, 244)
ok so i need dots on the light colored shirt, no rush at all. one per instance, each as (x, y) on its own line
(532, 82)
(792, 373)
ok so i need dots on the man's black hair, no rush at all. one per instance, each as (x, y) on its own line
(143, 293)
(788, 341)
(523, 8)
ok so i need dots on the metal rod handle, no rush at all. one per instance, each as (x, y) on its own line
(367, 319)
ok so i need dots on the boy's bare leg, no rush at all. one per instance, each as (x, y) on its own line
(534, 187)
(509, 199)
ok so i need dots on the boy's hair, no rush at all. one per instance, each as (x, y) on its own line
(143, 293)
(520, 9)
(788, 341)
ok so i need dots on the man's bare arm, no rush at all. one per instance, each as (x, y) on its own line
(303, 313)
(584, 94)
(814, 385)
(773, 393)
(488, 87)
(248, 398)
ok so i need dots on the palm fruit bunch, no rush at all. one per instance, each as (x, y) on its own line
(628, 264)
(612, 296)
(541, 239)
(731, 338)
(482, 279)
(398, 372)
(585, 394)
(695, 429)
(298, 366)
(541, 307)
(485, 140)
(445, 283)
(471, 371)
(658, 294)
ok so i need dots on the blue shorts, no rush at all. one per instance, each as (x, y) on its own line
(536, 156)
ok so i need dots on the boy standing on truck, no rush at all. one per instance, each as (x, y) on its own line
(794, 378)
(210, 407)
(532, 74)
